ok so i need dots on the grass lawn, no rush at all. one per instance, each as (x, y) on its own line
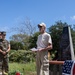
(26, 69)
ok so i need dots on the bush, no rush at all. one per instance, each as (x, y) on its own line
(21, 56)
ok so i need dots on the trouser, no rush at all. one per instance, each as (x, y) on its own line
(42, 63)
(5, 65)
(4, 60)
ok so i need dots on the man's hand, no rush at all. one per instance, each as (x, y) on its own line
(4, 53)
(41, 49)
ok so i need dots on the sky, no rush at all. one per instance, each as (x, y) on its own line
(14, 12)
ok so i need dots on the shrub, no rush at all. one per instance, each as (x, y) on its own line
(21, 56)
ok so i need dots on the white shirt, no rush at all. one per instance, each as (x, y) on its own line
(43, 40)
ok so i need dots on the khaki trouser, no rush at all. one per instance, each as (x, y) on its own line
(42, 63)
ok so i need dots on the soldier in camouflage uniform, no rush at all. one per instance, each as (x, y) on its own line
(0, 51)
(4, 51)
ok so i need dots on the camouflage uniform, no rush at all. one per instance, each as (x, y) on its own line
(4, 44)
(0, 52)
(5, 57)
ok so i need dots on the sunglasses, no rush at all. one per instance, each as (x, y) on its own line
(39, 26)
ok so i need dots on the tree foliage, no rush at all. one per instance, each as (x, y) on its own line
(26, 31)
(21, 56)
(19, 41)
(33, 40)
(16, 45)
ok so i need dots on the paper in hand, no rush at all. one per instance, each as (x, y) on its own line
(34, 49)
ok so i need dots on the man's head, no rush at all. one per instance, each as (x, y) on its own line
(3, 34)
(42, 27)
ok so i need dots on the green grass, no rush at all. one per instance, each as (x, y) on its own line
(26, 69)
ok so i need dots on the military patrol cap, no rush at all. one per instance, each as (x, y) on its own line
(0, 33)
(3, 33)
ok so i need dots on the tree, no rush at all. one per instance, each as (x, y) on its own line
(33, 40)
(25, 32)
(16, 45)
(18, 37)
(26, 27)
(19, 41)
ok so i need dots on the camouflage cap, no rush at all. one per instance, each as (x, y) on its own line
(0, 33)
(3, 33)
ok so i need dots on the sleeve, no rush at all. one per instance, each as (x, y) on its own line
(8, 43)
(37, 40)
(49, 39)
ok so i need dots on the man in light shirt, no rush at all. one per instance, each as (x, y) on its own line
(44, 43)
